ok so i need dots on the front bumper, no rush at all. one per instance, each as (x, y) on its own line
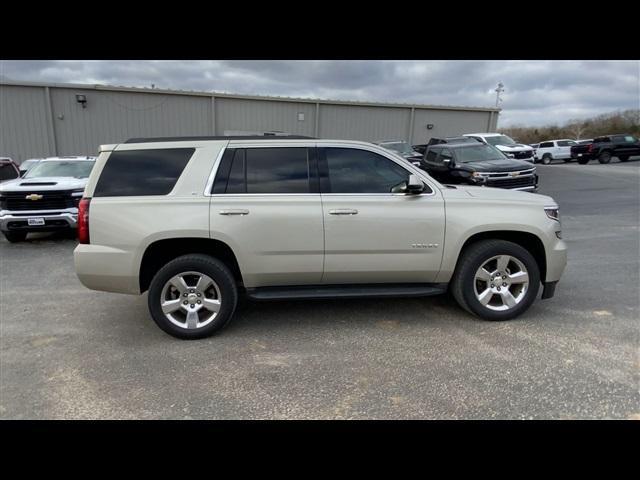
(18, 221)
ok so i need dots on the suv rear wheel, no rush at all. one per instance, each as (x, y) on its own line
(604, 157)
(193, 296)
(496, 280)
(15, 237)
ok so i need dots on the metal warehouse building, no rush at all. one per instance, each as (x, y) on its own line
(45, 119)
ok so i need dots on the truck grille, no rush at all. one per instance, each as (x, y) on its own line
(512, 182)
(522, 155)
(51, 200)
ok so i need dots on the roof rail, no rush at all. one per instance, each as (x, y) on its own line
(221, 137)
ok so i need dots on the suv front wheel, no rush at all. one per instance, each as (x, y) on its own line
(193, 296)
(496, 280)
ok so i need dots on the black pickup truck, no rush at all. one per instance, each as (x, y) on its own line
(476, 163)
(603, 148)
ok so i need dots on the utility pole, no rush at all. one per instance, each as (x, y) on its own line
(498, 91)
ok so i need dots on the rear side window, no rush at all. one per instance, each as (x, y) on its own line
(142, 172)
(564, 143)
(546, 145)
(265, 170)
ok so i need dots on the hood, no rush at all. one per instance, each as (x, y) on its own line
(488, 193)
(517, 147)
(498, 165)
(43, 183)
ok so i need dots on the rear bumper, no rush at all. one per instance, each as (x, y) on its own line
(19, 221)
(105, 268)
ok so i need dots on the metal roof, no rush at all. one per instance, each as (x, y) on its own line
(113, 88)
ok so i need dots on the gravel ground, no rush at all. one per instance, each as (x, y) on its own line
(67, 352)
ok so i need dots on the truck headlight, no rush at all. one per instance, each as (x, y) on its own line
(553, 213)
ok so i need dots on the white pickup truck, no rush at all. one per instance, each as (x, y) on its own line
(554, 150)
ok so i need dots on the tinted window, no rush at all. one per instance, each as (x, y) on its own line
(359, 171)
(237, 181)
(7, 172)
(546, 145)
(277, 170)
(564, 143)
(432, 155)
(142, 172)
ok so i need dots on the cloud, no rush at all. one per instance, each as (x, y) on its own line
(536, 92)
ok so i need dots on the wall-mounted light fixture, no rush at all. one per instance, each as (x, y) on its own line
(82, 99)
(429, 126)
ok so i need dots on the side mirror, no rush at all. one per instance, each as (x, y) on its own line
(412, 187)
(415, 185)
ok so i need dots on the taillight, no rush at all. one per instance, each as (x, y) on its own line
(83, 220)
(590, 148)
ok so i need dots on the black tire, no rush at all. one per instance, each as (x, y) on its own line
(624, 158)
(209, 266)
(15, 237)
(546, 159)
(568, 160)
(604, 157)
(583, 161)
(472, 258)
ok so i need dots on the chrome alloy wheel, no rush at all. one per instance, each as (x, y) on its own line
(501, 282)
(190, 300)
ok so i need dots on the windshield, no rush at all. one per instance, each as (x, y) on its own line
(500, 140)
(480, 153)
(400, 147)
(60, 168)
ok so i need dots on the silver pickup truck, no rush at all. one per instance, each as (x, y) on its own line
(45, 199)
(198, 221)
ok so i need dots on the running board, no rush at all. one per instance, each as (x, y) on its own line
(347, 291)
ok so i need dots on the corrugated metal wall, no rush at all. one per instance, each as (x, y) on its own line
(38, 121)
(256, 115)
(24, 123)
(370, 124)
(112, 117)
(449, 123)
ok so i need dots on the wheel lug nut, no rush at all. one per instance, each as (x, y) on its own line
(504, 284)
(184, 294)
(199, 294)
(498, 288)
(192, 305)
(492, 285)
(185, 302)
(199, 302)
(504, 276)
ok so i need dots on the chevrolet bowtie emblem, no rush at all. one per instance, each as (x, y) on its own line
(515, 174)
(34, 196)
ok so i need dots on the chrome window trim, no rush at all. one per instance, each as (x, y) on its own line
(214, 170)
(412, 169)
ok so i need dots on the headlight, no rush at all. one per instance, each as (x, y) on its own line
(553, 213)
(478, 175)
(77, 192)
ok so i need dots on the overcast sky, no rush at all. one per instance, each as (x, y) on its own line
(535, 92)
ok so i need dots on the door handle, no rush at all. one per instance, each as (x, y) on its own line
(234, 212)
(343, 211)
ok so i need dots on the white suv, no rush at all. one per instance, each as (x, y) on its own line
(506, 145)
(554, 150)
(198, 221)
